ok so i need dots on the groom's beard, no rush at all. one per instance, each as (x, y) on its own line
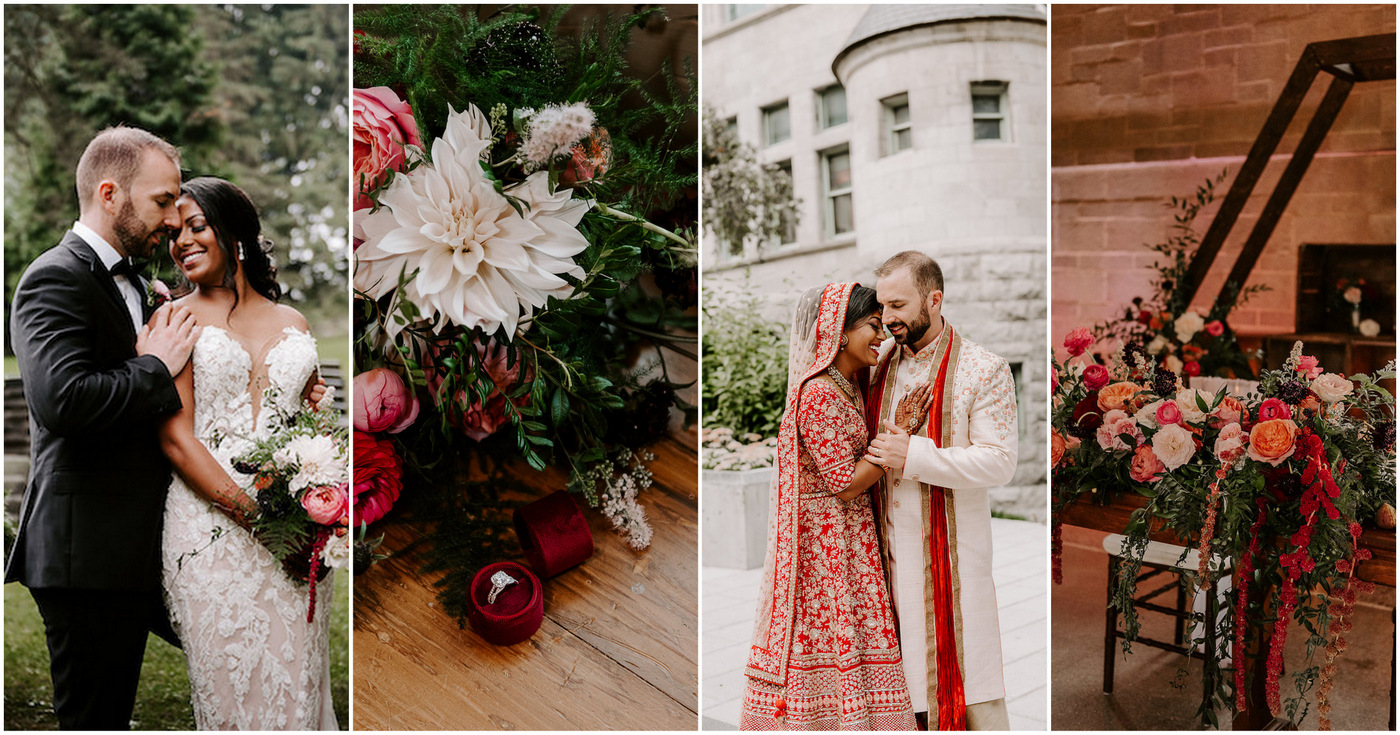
(913, 332)
(135, 237)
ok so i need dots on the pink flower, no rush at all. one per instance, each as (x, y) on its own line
(1307, 366)
(1145, 466)
(1116, 423)
(1095, 377)
(378, 477)
(328, 505)
(1215, 328)
(1272, 409)
(1078, 341)
(590, 159)
(1231, 443)
(381, 125)
(1168, 413)
(383, 402)
(1230, 411)
(476, 418)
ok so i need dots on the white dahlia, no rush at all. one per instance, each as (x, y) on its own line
(479, 262)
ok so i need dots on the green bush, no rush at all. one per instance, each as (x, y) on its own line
(745, 358)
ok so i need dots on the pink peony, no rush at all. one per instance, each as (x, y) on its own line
(1168, 413)
(1215, 328)
(1308, 367)
(378, 477)
(1273, 409)
(1231, 443)
(328, 505)
(1078, 341)
(1174, 446)
(383, 402)
(1116, 423)
(381, 125)
(1096, 377)
(1145, 466)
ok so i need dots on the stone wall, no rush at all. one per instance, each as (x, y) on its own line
(1149, 101)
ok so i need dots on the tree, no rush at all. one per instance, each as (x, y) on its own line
(744, 197)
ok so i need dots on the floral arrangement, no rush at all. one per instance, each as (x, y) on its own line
(303, 494)
(524, 233)
(721, 450)
(1275, 485)
(1345, 301)
(1181, 339)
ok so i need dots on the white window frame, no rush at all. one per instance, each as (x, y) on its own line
(830, 195)
(823, 120)
(735, 11)
(781, 240)
(767, 123)
(893, 128)
(1002, 115)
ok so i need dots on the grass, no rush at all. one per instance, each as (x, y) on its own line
(163, 697)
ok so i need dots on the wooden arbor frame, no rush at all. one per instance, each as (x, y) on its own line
(1348, 61)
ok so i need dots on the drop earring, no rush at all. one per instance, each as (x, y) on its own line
(240, 251)
(845, 341)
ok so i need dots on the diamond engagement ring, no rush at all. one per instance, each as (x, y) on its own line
(499, 581)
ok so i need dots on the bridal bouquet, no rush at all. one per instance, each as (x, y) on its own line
(302, 489)
(524, 233)
(1275, 484)
(1179, 338)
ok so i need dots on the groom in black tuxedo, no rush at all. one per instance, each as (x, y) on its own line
(99, 381)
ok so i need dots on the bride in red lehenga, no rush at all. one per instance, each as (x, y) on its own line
(825, 652)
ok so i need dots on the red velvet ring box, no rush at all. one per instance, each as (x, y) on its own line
(553, 534)
(518, 610)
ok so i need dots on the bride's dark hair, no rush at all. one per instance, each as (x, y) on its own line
(861, 305)
(231, 213)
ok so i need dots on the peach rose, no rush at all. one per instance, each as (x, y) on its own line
(1117, 396)
(1057, 448)
(1330, 387)
(328, 505)
(1272, 441)
(1230, 411)
(1230, 444)
(1174, 446)
(1145, 466)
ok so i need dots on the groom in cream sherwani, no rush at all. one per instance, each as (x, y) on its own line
(937, 519)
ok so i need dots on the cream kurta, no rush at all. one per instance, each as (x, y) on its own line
(981, 454)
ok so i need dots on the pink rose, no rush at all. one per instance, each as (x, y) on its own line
(328, 505)
(1174, 446)
(1215, 328)
(1115, 424)
(1230, 411)
(1078, 341)
(1308, 367)
(1331, 387)
(1145, 466)
(1168, 413)
(1273, 409)
(1230, 444)
(383, 402)
(1095, 377)
(378, 477)
(381, 125)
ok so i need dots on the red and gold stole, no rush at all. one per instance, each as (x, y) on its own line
(942, 606)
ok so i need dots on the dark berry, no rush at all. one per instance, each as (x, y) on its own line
(1164, 383)
(1292, 392)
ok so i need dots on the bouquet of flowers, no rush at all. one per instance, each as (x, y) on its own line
(1181, 339)
(524, 233)
(302, 489)
(1305, 462)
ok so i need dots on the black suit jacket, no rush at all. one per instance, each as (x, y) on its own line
(91, 516)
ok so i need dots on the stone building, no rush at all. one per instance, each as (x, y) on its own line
(903, 127)
(1149, 101)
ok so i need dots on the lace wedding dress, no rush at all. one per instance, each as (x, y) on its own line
(254, 661)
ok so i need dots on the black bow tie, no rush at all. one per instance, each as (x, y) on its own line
(130, 267)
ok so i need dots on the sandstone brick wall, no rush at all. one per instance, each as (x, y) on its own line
(1149, 101)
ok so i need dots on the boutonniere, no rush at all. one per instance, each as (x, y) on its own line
(157, 293)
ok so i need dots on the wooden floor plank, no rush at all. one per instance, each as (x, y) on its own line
(618, 648)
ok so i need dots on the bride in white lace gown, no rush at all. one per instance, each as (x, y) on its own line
(254, 661)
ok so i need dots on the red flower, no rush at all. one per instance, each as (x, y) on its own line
(1273, 408)
(1096, 377)
(378, 477)
(1087, 413)
(1078, 341)
(1192, 368)
(1215, 328)
(1144, 317)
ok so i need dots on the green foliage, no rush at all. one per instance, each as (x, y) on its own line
(254, 94)
(746, 359)
(745, 198)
